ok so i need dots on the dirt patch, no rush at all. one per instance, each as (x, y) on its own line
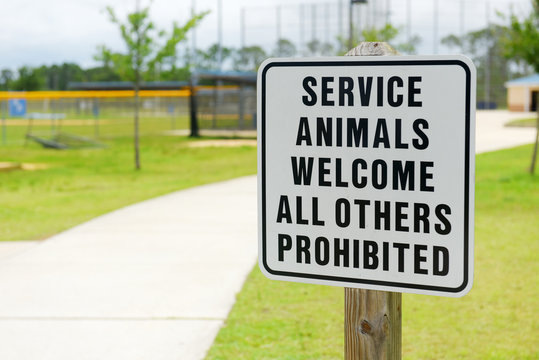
(11, 166)
(33, 167)
(223, 143)
(243, 134)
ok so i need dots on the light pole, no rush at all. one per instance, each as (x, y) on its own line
(193, 31)
(350, 22)
(409, 20)
(435, 30)
(220, 33)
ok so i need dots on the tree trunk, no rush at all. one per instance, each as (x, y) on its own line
(138, 65)
(136, 124)
(193, 107)
(534, 155)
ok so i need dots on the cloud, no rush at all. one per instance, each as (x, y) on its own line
(54, 31)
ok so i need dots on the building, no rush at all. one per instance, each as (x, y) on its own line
(522, 93)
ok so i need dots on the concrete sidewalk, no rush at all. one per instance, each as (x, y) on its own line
(491, 134)
(154, 280)
(150, 281)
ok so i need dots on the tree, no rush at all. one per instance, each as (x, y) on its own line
(28, 79)
(57, 77)
(174, 68)
(209, 59)
(388, 33)
(484, 47)
(101, 73)
(147, 50)
(523, 42)
(318, 48)
(106, 71)
(6, 78)
(249, 58)
(285, 48)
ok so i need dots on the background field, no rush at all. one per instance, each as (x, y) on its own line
(107, 114)
(529, 122)
(498, 319)
(75, 185)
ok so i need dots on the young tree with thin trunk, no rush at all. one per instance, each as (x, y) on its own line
(523, 42)
(147, 49)
(388, 33)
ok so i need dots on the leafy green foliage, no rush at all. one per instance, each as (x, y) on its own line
(388, 33)
(148, 50)
(28, 79)
(53, 77)
(144, 55)
(485, 48)
(523, 43)
(319, 48)
(6, 79)
(248, 58)
(101, 73)
(57, 77)
(209, 59)
(284, 48)
(523, 37)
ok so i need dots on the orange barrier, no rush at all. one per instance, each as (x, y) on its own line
(4, 95)
(91, 94)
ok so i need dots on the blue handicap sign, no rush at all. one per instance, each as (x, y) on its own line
(17, 107)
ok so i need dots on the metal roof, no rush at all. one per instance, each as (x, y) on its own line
(523, 81)
(127, 85)
(245, 77)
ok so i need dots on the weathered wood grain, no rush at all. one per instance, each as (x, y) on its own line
(372, 324)
(372, 49)
(372, 319)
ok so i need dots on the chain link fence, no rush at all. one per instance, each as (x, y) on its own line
(100, 115)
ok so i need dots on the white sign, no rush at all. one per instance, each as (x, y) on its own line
(366, 172)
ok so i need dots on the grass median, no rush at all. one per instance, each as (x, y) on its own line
(68, 187)
(529, 122)
(496, 320)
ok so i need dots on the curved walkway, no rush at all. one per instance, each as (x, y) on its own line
(154, 280)
(491, 134)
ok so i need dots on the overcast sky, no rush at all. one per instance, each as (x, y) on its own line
(36, 32)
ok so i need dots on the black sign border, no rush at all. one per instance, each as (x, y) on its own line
(381, 62)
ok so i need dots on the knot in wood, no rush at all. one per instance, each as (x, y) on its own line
(386, 325)
(366, 327)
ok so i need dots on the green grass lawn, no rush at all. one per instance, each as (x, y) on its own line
(80, 184)
(529, 122)
(498, 319)
(106, 127)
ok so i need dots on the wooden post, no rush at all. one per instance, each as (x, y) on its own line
(372, 319)
(95, 111)
(193, 107)
(534, 154)
(372, 324)
(2, 104)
